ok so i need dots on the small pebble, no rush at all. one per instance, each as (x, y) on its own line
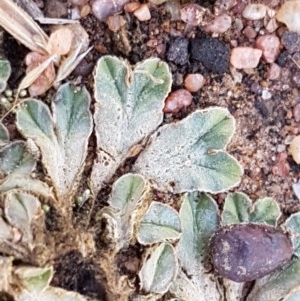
(296, 189)
(219, 25)
(236, 76)
(75, 13)
(192, 14)
(272, 25)
(249, 32)
(289, 14)
(283, 58)
(212, 53)
(85, 11)
(296, 78)
(296, 112)
(295, 149)
(178, 100)
(131, 6)
(78, 2)
(157, 2)
(55, 9)
(272, 3)
(224, 5)
(270, 46)
(266, 94)
(115, 22)
(194, 82)
(273, 72)
(143, 13)
(245, 57)
(291, 41)
(282, 167)
(105, 8)
(254, 11)
(178, 51)
(239, 7)
(256, 88)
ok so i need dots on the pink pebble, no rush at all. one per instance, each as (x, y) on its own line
(142, 13)
(249, 32)
(78, 2)
(220, 24)
(194, 82)
(270, 46)
(282, 167)
(178, 100)
(274, 72)
(245, 57)
(192, 14)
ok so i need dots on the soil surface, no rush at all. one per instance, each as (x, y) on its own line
(267, 114)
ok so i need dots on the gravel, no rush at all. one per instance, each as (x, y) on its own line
(212, 53)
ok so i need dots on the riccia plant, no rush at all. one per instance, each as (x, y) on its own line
(5, 71)
(187, 157)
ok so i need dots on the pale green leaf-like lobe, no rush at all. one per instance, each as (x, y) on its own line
(266, 211)
(294, 295)
(26, 183)
(20, 210)
(127, 193)
(5, 271)
(278, 285)
(292, 224)
(34, 121)
(62, 138)
(189, 155)
(15, 159)
(34, 279)
(50, 294)
(159, 270)
(160, 223)
(238, 208)
(129, 104)
(199, 220)
(5, 71)
(4, 135)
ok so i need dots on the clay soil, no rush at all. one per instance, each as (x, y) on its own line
(264, 129)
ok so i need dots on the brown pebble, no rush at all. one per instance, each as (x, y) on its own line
(115, 22)
(245, 252)
(194, 82)
(249, 32)
(85, 11)
(282, 167)
(100, 48)
(131, 7)
(55, 9)
(273, 72)
(178, 100)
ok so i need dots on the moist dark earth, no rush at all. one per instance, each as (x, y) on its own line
(264, 127)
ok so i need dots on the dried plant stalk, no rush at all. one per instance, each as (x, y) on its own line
(21, 26)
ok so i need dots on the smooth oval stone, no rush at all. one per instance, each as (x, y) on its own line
(245, 252)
